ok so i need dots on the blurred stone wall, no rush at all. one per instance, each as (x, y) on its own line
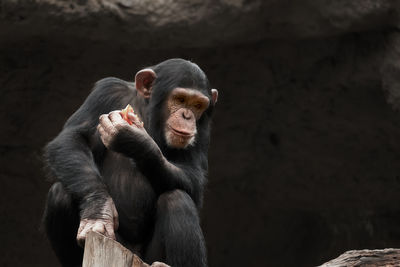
(305, 151)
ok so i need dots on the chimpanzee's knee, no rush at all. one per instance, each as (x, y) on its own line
(177, 239)
(59, 206)
(58, 198)
(177, 203)
(61, 220)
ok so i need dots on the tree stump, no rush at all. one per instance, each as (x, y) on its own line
(380, 257)
(101, 251)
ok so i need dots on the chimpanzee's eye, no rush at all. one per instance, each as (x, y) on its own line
(198, 106)
(180, 99)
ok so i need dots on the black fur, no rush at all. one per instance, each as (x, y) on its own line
(157, 190)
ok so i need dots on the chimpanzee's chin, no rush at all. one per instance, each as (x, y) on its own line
(180, 145)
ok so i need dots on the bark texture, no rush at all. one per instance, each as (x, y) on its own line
(380, 257)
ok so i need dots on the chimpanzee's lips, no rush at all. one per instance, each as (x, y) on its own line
(181, 133)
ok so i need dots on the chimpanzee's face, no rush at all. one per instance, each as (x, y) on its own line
(184, 106)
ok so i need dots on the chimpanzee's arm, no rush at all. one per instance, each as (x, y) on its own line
(164, 175)
(69, 156)
(70, 160)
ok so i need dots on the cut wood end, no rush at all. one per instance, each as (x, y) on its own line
(101, 251)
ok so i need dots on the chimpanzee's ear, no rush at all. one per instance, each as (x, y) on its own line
(214, 93)
(144, 81)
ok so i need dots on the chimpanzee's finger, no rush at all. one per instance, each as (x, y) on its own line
(103, 135)
(82, 234)
(110, 231)
(159, 264)
(81, 225)
(79, 238)
(99, 227)
(86, 228)
(115, 217)
(116, 118)
(100, 129)
(106, 123)
(135, 119)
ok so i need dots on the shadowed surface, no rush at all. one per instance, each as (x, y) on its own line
(305, 151)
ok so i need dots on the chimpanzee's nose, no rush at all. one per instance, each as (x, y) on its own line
(186, 114)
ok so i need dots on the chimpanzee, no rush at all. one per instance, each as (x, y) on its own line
(139, 181)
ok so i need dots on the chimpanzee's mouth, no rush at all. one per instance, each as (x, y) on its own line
(181, 133)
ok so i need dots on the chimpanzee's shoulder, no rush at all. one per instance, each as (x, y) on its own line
(108, 94)
(113, 84)
(111, 90)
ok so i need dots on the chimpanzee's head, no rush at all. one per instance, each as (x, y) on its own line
(180, 101)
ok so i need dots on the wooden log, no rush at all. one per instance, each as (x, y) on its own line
(101, 251)
(379, 257)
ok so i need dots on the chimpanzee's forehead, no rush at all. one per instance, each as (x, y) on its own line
(180, 67)
(181, 73)
(190, 79)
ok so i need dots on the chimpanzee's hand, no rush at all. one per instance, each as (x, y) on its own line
(159, 264)
(112, 124)
(105, 223)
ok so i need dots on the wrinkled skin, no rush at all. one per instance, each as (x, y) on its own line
(184, 107)
(107, 224)
(111, 123)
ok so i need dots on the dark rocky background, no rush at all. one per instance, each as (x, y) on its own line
(305, 153)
